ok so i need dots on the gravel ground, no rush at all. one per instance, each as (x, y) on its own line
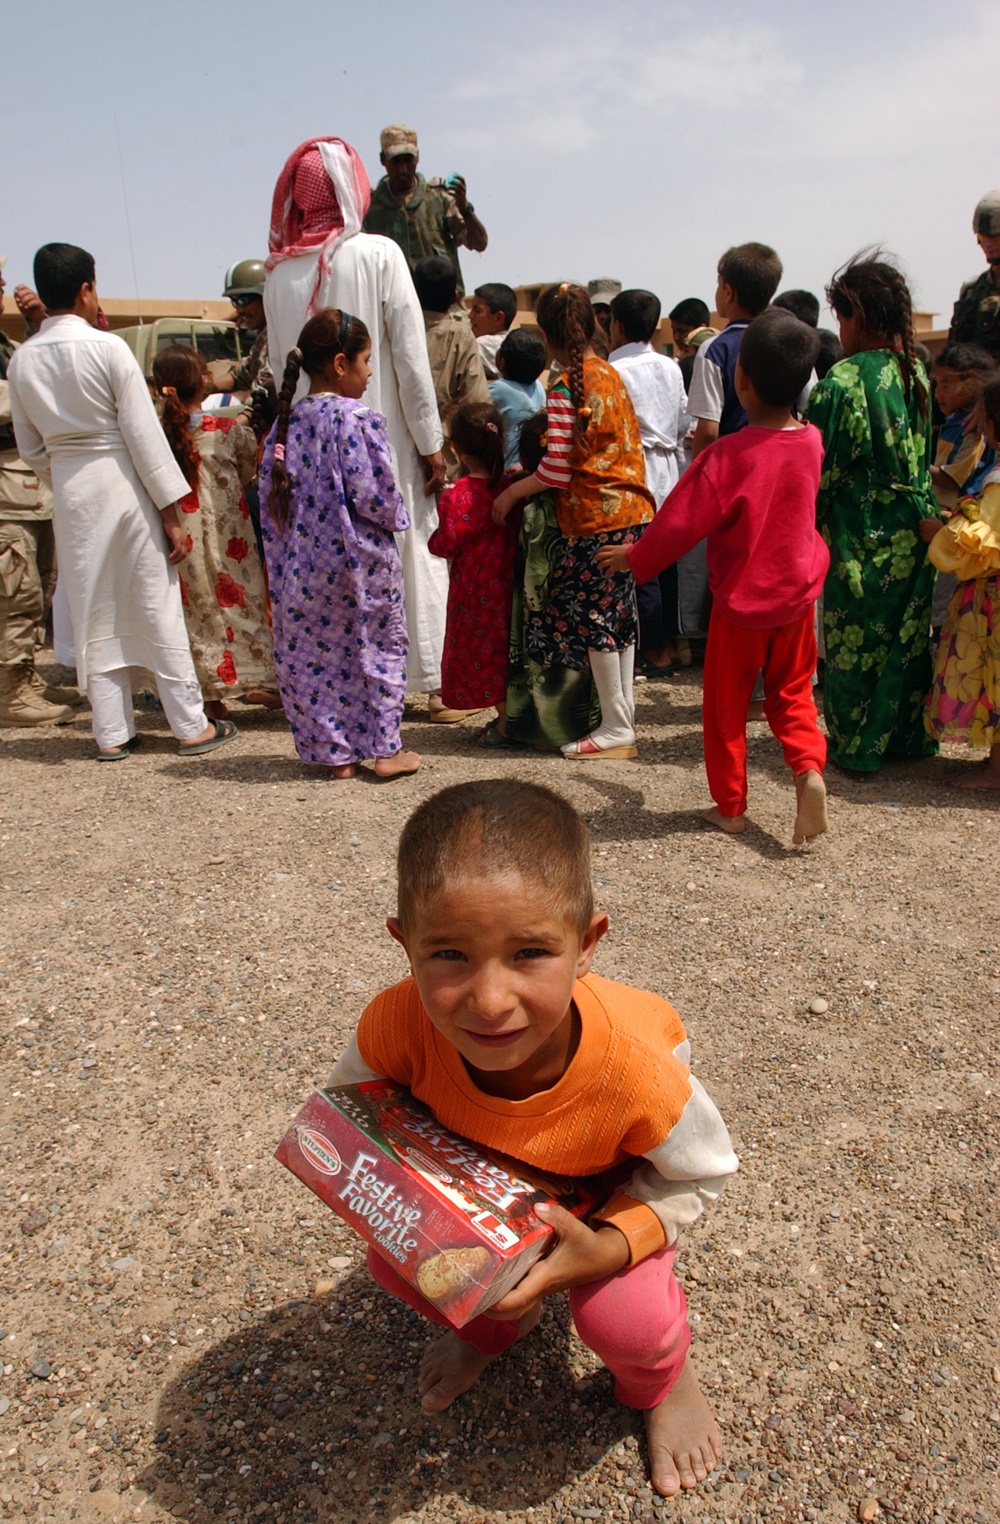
(188, 1335)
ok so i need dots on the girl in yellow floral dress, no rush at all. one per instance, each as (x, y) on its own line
(964, 700)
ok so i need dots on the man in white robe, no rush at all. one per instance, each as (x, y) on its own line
(85, 423)
(320, 258)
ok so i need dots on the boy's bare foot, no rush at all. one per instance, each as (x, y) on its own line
(682, 1436)
(733, 825)
(450, 1367)
(810, 812)
(986, 776)
(756, 710)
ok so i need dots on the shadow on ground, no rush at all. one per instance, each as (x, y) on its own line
(311, 1414)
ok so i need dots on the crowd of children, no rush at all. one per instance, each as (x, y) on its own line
(604, 503)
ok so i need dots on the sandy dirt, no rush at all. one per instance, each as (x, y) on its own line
(187, 946)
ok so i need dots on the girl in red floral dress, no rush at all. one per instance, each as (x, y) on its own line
(222, 581)
(482, 553)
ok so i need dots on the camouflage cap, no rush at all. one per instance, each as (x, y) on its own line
(398, 140)
(603, 290)
(986, 217)
(699, 336)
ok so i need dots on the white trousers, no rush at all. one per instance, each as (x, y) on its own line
(110, 695)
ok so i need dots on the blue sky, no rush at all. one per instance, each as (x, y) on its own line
(633, 138)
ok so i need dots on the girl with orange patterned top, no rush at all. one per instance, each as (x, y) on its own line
(504, 1032)
(594, 464)
(222, 580)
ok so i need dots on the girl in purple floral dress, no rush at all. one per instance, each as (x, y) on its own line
(331, 508)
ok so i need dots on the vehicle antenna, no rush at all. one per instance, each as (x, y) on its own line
(128, 220)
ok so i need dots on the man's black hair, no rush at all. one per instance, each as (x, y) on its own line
(499, 298)
(778, 353)
(967, 357)
(753, 270)
(830, 351)
(638, 312)
(436, 283)
(801, 304)
(523, 356)
(692, 312)
(60, 270)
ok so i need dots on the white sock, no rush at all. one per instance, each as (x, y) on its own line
(612, 671)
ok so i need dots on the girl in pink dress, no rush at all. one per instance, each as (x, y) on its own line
(477, 635)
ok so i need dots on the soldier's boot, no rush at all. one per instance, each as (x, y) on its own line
(22, 704)
(54, 694)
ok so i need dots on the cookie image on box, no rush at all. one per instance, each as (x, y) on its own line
(444, 1276)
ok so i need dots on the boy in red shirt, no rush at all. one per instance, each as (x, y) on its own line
(753, 494)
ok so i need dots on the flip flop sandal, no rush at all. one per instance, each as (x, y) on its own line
(224, 731)
(121, 752)
(492, 738)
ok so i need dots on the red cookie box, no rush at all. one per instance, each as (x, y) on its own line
(454, 1219)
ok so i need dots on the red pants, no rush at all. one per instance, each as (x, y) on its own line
(635, 1321)
(787, 656)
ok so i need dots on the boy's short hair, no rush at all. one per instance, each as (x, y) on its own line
(753, 270)
(638, 312)
(531, 441)
(60, 270)
(968, 359)
(496, 827)
(991, 402)
(830, 351)
(499, 298)
(801, 304)
(523, 356)
(692, 312)
(778, 353)
(436, 283)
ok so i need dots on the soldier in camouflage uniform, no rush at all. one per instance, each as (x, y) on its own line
(245, 289)
(27, 575)
(423, 217)
(976, 315)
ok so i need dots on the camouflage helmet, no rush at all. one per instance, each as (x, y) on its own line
(986, 217)
(245, 278)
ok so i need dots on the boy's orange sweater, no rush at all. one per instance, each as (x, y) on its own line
(619, 1098)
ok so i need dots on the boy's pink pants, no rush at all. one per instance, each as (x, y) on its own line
(635, 1321)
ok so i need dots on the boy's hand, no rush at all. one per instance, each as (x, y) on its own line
(929, 528)
(581, 1255)
(613, 558)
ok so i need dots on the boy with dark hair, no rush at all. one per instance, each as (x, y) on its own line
(657, 391)
(492, 310)
(754, 491)
(801, 304)
(748, 278)
(688, 315)
(517, 391)
(456, 367)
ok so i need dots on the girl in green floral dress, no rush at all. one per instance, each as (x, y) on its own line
(873, 410)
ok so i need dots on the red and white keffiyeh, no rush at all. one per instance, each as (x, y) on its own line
(321, 197)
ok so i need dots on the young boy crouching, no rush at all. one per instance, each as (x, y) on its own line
(503, 1031)
(753, 494)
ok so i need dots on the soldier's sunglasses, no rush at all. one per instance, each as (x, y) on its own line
(243, 301)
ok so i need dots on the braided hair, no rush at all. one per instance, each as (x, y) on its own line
(872, 288)
(477, 430)
(566, 317)
(178, 375)
(328, 334)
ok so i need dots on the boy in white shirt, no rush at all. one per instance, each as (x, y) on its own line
(657, 390)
